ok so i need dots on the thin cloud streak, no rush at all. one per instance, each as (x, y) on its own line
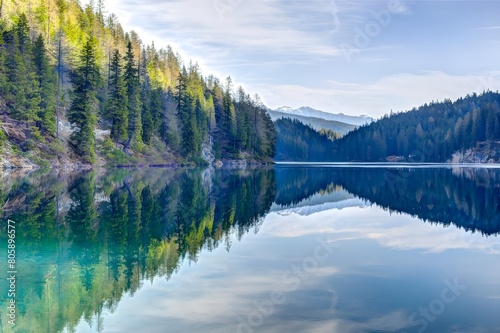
(488, 28)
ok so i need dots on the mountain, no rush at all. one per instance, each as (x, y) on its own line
(320, 202)
(316, 123)
(306, 111)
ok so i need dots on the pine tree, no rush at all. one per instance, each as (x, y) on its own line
(117, 101)
(131, 80)
(185, 115)
(82, 113)
(46, 80)
(156, 108)
(146, 117)
(228, 123)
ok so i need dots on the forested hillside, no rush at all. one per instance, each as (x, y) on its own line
(431, 133)
(467, 130)
(123, 101)
(301, 143)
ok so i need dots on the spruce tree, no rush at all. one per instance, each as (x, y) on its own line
(131, 81)
(117, 100)
(183, 105)
(229, 116)
(46, 80)
(186, 112)
(82, 113)
(145, 95)
(146, 118)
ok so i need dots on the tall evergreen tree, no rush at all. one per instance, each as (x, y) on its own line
(186, 114)
(146, 117)
(131, 80)
(229, 115)
(46, 79)
(82, 113)
(117, 100)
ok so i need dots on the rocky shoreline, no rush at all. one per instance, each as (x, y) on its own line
(484, 153)
(9, 161)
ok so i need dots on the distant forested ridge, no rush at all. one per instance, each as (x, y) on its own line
(301, 143)
(316, 123)
(116, 98)
(430, 133)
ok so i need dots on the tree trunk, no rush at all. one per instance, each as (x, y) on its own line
(59, 83)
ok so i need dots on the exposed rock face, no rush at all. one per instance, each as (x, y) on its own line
(485, 152)
(10, 161)
(207, 151)
(14, 131)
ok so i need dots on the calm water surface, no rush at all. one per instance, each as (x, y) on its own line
(290, 249)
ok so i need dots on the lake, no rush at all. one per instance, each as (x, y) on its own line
(294, 248)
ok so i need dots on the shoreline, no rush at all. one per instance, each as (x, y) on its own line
(391, 164)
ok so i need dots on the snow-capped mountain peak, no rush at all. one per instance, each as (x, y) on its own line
(286, 109)
(307, 111)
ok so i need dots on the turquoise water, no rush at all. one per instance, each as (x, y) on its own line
(289, 249)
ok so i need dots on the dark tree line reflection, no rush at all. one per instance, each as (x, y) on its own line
(468, 198)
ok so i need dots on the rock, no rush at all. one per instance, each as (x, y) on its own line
(13, 132)
(207, 151)
(484, 152)
(10, 161)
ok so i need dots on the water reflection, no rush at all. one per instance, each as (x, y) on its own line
(88, 241)
(466, 197)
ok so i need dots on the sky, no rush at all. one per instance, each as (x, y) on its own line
(338, 56)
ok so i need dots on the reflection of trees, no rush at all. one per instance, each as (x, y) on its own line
(467, 198)
(298, 183)
(117, 230)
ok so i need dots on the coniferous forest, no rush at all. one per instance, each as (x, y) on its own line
(301, 143)
(74, 83)
(431, 133)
